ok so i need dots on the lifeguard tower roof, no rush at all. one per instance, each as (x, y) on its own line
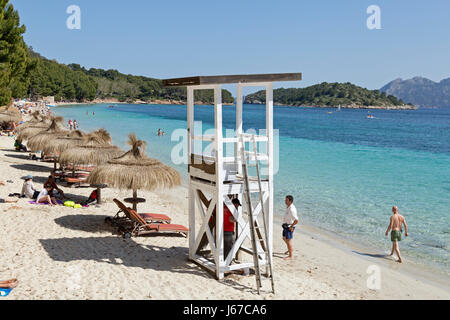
(244, 78)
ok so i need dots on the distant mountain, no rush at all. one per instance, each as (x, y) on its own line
(420, 91)
(346, 95)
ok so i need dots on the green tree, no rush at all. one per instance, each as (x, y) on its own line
(14, 67)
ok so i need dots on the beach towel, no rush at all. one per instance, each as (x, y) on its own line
(5, 292)
(44, 204)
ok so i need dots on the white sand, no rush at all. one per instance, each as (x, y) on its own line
(63, 253)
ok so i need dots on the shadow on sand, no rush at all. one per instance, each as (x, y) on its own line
(32, 168)
(20, 156)
(86, 223)
(117, 251)
(378, 256)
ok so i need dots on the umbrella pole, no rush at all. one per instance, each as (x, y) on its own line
(99, 196)
(135, 203)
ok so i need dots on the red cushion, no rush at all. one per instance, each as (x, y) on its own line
(155, 216)
(168, 227)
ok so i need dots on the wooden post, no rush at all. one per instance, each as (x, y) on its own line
(239, 131)
(99, 196)
(219, 258)
(270, 151)
(190, 133)
(135, 197)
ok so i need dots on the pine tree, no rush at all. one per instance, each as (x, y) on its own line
(14, 65)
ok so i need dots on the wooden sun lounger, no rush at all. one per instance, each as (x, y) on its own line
(148, 217)
(141, 227)
(76, 180)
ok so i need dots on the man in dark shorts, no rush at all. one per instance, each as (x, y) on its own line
(397, 220)
(290, 220)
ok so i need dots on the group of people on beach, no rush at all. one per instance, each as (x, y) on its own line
(73, 125)
(8, 129)
(161, 133)
(290, 220)
(51, 193)
(48, 195)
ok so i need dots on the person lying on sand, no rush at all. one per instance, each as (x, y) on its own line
(9, 284)
(44, 197)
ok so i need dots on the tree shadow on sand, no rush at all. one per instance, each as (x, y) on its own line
(117, 251)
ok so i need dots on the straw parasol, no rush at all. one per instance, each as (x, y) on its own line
(32, 128)
(10, 115)
(135, 171)
(95, 150)
(60, 143)
(37, 118)
(40, 140)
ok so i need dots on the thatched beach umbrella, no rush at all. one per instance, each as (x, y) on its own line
(7, 117)
(10, 114)
(32, 128)
(36, 118)
(135, 171)
(58, 144)
(95, 150)
(40, 140)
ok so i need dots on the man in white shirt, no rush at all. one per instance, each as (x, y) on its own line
(290, 220)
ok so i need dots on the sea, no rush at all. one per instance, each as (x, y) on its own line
(344, 169)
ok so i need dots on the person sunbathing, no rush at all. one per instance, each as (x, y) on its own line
(44, 197)
(9, 284)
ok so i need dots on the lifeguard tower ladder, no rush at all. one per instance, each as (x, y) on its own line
(215, 177)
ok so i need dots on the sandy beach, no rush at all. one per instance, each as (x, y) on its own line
(65, 253)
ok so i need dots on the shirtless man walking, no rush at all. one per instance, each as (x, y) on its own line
(396, 234)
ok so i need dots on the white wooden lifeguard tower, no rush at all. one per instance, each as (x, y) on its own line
(213, 177)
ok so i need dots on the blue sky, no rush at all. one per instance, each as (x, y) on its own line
(326, 40)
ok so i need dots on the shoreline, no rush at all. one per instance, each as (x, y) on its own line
(138, 102)
(182, 103)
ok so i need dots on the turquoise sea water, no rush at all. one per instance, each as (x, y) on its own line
(344, 170)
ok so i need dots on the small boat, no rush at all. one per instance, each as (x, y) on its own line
(370, 116)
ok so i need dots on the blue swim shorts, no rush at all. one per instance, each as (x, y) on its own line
(287, 233)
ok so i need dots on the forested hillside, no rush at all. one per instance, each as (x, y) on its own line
(328, 94)
(75, 83)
